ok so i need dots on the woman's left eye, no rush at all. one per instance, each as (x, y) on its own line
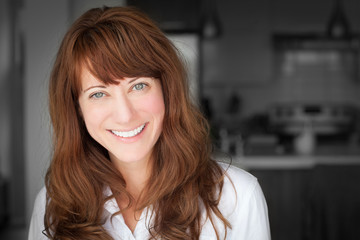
(139, 86)
(97, 95)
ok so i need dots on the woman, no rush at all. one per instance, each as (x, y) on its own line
(131, 157)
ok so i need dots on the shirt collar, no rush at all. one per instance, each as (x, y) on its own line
(110, 205)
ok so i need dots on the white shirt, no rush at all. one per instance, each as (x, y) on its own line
(243, 206)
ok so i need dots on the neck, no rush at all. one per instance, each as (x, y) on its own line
(135, 174)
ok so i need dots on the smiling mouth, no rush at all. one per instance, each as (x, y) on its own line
(131, 133)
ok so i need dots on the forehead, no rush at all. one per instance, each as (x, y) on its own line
(88, 77)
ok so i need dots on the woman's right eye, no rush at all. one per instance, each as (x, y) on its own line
(97, 95)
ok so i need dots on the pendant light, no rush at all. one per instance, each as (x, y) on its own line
(211, 25)
(338, 25)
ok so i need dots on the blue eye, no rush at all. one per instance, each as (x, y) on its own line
(139, 86)
(97, 95)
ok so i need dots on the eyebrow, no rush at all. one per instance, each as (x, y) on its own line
(96, 86)
(133, 80)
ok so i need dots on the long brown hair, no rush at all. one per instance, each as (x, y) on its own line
(114, 43)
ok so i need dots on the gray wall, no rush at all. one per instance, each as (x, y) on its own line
(43, 23)
(5, 69)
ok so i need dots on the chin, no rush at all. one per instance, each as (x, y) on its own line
(130, 158)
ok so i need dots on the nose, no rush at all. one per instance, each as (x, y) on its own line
(123, 110)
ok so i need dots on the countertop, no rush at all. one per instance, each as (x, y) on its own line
(293, 161)
(289, 161)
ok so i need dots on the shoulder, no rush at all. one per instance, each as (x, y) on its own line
(238, 180)
(236, 173)
(37, 218)
(243, 204)
(239, 190)
(40, 201)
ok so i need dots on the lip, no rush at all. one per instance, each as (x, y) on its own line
(130, 139)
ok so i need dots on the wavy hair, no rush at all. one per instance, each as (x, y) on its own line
(114, 43)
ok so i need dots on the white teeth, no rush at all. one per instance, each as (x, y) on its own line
(128, 134)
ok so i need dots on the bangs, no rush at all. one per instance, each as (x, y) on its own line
(111, 56)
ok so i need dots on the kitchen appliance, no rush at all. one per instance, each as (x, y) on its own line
(324, 118)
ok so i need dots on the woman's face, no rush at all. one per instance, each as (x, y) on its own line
(126, 118)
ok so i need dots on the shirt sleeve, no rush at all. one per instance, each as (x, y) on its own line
(37, 219)
(252, 222)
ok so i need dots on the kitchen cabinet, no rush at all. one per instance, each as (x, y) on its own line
(309, 197)
(286, 193)
(334, 205)
(316, 57)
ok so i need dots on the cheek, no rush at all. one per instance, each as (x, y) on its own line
(155, 106)
(92, 118)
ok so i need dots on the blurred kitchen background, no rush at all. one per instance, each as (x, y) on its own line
(278, 80)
